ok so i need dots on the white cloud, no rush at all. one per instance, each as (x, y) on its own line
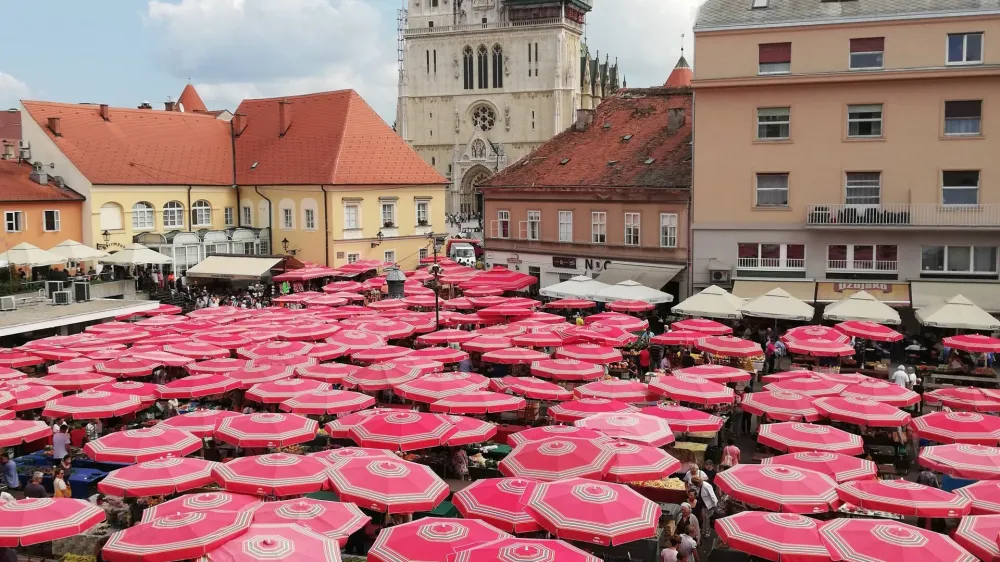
(12, 91)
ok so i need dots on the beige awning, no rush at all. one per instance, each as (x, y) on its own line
(651, 275)
(985, 295)
(233, 267)
(805, 291)
(780, 305)
(861, 306)
(712, 302)
(958, 313)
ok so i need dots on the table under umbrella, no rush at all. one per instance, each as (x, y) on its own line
(578, 409)
(144, 444)
(166, 476)
(498, 502)
(558, 458)
(176, 537)
(36, 520)
(796, 437)
(431, 539)
(842, 468)
(277, 474)
(632, 426)
(388, 485)
(780, 488)
(774, 536)
(903, 498)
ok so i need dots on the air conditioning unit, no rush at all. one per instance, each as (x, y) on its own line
(24, 150)
(81, 291)
(721, 276)
(62, 297)
(51, 287)
(23, 144)
(8, 303)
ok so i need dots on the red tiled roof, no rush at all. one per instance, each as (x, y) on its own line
(140, 146)
(10, 125)
(191, 101)
(680, 76)
(335, 138)
(16, 185)
(600, 156)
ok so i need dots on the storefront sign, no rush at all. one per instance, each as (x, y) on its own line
(514, 258)
(563, 263)
(596, 265)
(110, 246)
(881, 287)
(894, 294)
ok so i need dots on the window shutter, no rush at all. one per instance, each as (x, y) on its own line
(775, 53)
(962, 109)
(868, 44)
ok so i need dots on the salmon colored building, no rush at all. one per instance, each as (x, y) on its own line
(845, 145)
(37, 208)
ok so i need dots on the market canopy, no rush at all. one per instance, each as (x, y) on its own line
(633, 290)
(233, 267)
(650, 275)
(72, 250)
(984, 294)
(957, 312)
(778, 304)
(136, 254)
(711, 302)
(861, 306)
(580, 286)
(29, 254)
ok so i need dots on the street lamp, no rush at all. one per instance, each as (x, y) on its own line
(107, 236)
(435, 269)
(395, 280)
(378, 240)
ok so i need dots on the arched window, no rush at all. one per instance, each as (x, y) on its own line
(484, 68)
(111, 216)
(173, 215)
(142, 216)
(467, 67)
(497, 66)
(483, 118)
(478, 148)
(201, 213)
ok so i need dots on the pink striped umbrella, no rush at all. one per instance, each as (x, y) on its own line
(842, 468)
(265, 430)
(131, 335)
(77, 365)
(201, 423)
(162, 357)
(630, 306)
(271, 349)
(163, 310)
(483, 291)
(164, 476)
(291, 362)
(402, 431)
(567, 370)
(984, 495)
(330, 299)
(503, 330)
(634, 462)
(143, 390)
(338, 286)
(539, 339)
(327, 351)
(623, 321)
(558, 458)
(337, 457)
(514, 356)
(17, 432)
(136, 351)
(702, 325)
(72, 381)
(308, 332)
(221, 313)
(958, 427)
(334, 520)
(728, 346)
(277, 474)
(95, 348)
(422, 323)
(445, 336)
(486, 301)
(387, 304)
(531, 387)
(498, 502)
(192, 325)
(861, 411)
(203, 502)
(470, 431)
(425, 366)
(388, 329)
(92, 404)
(780, 488)
(903, 498)
(319, 402)
(274, 392)
(440, 354)
(774, 536)
(225, 340)
(333, 373)
(356, 340)
(380, 376)
(433, 387)
(11, 374)
(127, 367)
(196, 350)
(581, 408)
(139, 445)
(197, 386)
(682, 418)
(255, 374)
(56, 353)
(388, 485)
(602, 334)
(17, 359)
(975, 462)
(888, 541)
(781, 406)
(592, 353)
(418, 300)
(716, 373)
(340, 428)
(795, 437)
(881, 391)
(459, 303)
(825, 333)
(380, 353)
(695, 390)
(978, 534)
(965, 398)
(807, 386)
(64, 341)
(974, 343)
(431, 539)
(108, 327)
(7, 415)
(37, 520)
(484, 344)
(167, 339)
(518, 549)
(478, 402)
(821, 348)
(176, 537)
(677, 337)
(615, 389)
(869, 330)
(216, 366)
(555, 431)
(632, 426)
(30, 396)
(163, 321)
(571, 304)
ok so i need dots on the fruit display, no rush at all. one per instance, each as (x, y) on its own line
(662, 483)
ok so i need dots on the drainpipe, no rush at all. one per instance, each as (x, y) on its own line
(190, 219)
(270, 228)
(326, 227)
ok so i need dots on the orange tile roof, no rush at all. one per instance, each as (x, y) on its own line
(191, 101)
(16, 185)
(140, 146)
(601, 156)
(334, 138)
(10, 125)
(680, 76)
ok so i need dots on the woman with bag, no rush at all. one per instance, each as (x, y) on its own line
(59, 487)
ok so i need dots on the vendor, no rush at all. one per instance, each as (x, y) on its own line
(8, 472)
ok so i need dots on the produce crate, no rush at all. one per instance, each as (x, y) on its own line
(660, 495)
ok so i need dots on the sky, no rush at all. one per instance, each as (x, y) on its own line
(124, 52)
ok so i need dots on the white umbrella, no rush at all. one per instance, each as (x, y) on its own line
(778, 304)
(861, 306)
(712, 302)
(957, 312)
(75, 251)
(632, 290)
(136, 254)
(579, 287)
(29, 254)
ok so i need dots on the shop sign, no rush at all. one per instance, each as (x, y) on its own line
(596, 265)
(514, 259)
(881, 287)
(110, 246)
(563, 263)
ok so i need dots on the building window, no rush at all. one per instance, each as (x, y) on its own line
(534, 225)
(142, 216)
(773, 123)
(428, 56)
(389, 256)
(772, 190)
(959, 259)
(529, 60)
(774, 58)
(286, 218)
(960, 187)
(771, 256)
(351, 258)
(247, 216)
(422, 254)
(484, 67)
(201, 213)
(536, 59)
(111, 216)
(867, 53)
(229, 215)
(434, 3)
(565, 226)
(423, 213)
(388, 215)
(351, 220)
(863, 188)
(503, 224)
(668, 230)
(861, 257)
(497, 66)
(965, 48)
(599, 227)
(310, 219)
(963, 118)
(14, 221)
(467, 67)
(51, 221)
(632, 229)
(864, 121)
(484, 119)
(173, 215)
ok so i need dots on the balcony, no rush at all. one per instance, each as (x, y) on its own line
(771, 264)
(903, 216)
(418, 26)
(862, 266)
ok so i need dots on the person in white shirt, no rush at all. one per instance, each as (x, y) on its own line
(900, 378)
(706, 496)
(694, 472)
(60, 443)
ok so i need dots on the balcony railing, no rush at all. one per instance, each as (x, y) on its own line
(417, 27)
(839, 216)
(770, 263)
(862, 265)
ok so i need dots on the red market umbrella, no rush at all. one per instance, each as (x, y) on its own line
(380, 376)
(584, 407)
(485, 301)
(521, 550)
(388, 329)
(163, 358)
(780, 488)
(602, 334)
(431, 539)
(974, 343)
(128, 367)
(459, 303)
(888, 541)
(795, 437)
(881, 391)
(483, 344)
(788, 375)
(380, 353)
(277, 542)
(308, 332)
(984, 495)
(207, 501)
(842, 468)
(196, 350)
(37, 520)
(330, 299)
(6, 399)
(623, 321)
(402, 431)
(334, 520)
(78, 364)
(695, 390)
(729, 346)
(256, 374)
(93, 404)
(470, 431)
(825, 333)
(716, 373)
(978, 535)
(161, 477)
(356, 340)
(337, 457)
(216, 366)
(445, 336)
(280, 390)
(478, 402)
(176, 537)
(482, 292)
(197, 386)
(342, 286)
(506, 312)
(632, 426)
(703, 325)
(440, 354)
(571, 304)
(536, 389)
(593, 353)
(634, 462)
(434, 387)
(869, 330)
(424, 366)
(544, 432)
(421, 300)
(567, 370)
(16, 359)
(108, 327)
(558, 458)
(682, 418)
(319, 402)
(965, 398)
(905, 498)
(340, 428)
(594, 512)
(422, 323)
(15, 432)
(333, 373)
(327, 351)
(225, 340)
(388, 485)
(614, 389)
(630, 306)
(56, 353)
(274, 348)
(265, 430)
(777, 537)
(781, 406)
(388, 304)
(31, 396)
(958, 427)
(276, 474)
(974, 462)
(76, 380)
(677, 337)
(861, 411)
(498, 502)
(503, 330)
(162, 321)
(820, 348)
(514, 356)
(145, 444)
(201, 423)
(163, 310)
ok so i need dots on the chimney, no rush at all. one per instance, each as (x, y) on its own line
(8, 151)
(105, 112)
(239, 123)
(284, 116)
(38, 173)
(59, 181)
(584, 118)
(169, 106)
(675, 119)
(55, 125)
(145, 105)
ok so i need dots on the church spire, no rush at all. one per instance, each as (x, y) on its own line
(680, 76)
